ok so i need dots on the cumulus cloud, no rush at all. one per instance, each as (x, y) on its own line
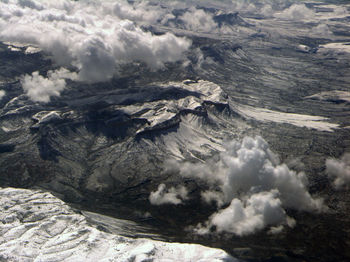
(250, 180)
(198, 20)
(243, 217)
(339, 170)
(142, 11)
(259, 7)
(2, 94)
(213, 197)
(248, 166)
(340, 10)
(296, 12)
(93, 36)
(168, 196)
(40, 89)
(322, 30)
(246, 6)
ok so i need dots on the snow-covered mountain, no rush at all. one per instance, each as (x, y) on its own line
(36, 226)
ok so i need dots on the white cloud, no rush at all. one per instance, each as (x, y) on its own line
(322, 30)
(261, 7)
(339, 170)
(296, 12)
(39, 88)
(243, 174)
(213, 197)
(2, 94)
(251, 166)
(243, 6)
(340, 10)
(140, 11)
(198, 20)
(94, 37)
(243, 217)
(171, 196)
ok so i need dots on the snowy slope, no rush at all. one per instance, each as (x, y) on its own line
(36, 226)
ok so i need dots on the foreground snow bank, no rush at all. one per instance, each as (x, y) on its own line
(36, 226)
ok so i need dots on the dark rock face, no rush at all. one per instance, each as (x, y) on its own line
(230, 19)
(105, 144)
(5, 148)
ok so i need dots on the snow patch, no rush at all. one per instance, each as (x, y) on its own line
(160, 111)
(267, 115)
(18, 47)
(46, 116)
(336, 47)
(332, 96)
(207, 90)
(36, 226)
(2, 94)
